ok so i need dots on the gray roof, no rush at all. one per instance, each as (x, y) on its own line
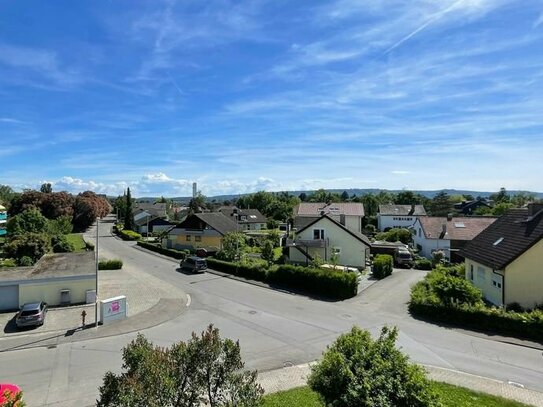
(252, 215)
(53, 265)
(402, 210)
(506, 239)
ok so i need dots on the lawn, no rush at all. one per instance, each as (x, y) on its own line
(77, 240)
(451, 396)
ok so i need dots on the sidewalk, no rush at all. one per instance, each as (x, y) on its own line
(296, 376)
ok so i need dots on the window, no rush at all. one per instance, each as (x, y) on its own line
(197, 238)
(318, 234)
(188, 238)
(471, 272)
(481, 274)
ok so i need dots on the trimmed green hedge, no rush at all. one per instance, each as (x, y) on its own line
(114, 264)
(128, 235)
(176, 254)
(528, 325)
(326, 283)
(382, 266)
(423, 264)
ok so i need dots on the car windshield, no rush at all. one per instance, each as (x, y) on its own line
(30, 312)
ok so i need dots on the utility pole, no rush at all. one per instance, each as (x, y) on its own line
(96, 295)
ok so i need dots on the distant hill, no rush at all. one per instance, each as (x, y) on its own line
(357, 191)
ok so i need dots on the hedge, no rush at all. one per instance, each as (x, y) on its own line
(423, 264)
(176, 254)
(115, 264)
(528, 325)
(382, 266)
(128, 235)
(327, 283)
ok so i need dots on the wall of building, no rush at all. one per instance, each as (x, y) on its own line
(395, 221)
(524, 278)
(49, 290)
(194, 239)
(483, 277)
(352, 251)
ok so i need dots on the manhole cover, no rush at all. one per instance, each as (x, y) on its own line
(252, 312)
(288, 363)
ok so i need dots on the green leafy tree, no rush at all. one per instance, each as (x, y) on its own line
(303, 197)
(6, 195)
(334, 257)
(407, 198)
(128, 216)
(233, 246)
(344, 196)
(267, 252)
(371, 204)
(29, 221)
(204, 370)
(33, 245)
(46, 188)
(395, 235)
(61, 244)
(440, 204)
(501, 196)
(357, 370)
(61, 226)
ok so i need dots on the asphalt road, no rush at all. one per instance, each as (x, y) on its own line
(274, 328)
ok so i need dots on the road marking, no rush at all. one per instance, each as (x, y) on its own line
(188, 300)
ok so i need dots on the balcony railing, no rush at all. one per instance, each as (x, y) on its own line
(308, 243)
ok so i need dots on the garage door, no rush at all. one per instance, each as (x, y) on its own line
(9, 297)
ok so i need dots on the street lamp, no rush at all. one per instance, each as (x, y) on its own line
(96, 261)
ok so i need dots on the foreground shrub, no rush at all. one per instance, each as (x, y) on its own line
(382, 266)
(61, 244)
(26, 261)
(423, 264)
(359, 371)
(206, 370)
(115, 264)
(32, 245)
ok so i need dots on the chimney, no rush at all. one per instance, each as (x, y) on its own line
(443, 231)
(342, 219)
(449, 217)
(534, 208)
(412, 210)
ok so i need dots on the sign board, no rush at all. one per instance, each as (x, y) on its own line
(112, 309)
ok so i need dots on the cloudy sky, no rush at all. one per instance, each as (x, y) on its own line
(242, 96)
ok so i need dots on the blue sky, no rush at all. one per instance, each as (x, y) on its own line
(242, 96)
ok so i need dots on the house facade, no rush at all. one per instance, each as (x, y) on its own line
(504, 261)
(349, 214)
(325, 237)
(398, 216)
(448, 235)
(200, 230)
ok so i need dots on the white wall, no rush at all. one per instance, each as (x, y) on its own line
(429, 245)
(395, 221)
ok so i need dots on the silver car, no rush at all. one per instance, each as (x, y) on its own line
(32, 314)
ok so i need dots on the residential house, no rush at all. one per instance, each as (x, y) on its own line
(58, 279)
(156, 209)
(324, 237)
(505, 260)
(3, 220)
(398, 216)
(247, 219)
(349, 214)
(447, 234)
(144, 220)
(200, 230)
(468, 208)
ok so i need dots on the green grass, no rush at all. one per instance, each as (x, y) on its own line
(77, 240)
(451, 396)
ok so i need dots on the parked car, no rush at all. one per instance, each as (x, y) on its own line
(194, 264)
(31, 314)
(12, 389)
(403, 258)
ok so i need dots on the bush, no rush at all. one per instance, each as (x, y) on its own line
(129, 235)
(396, 235)
(382, 266)
(33, 245)
(8, 263)
(61, 244)
(176, 254)
(26, 261)
(359, 371)
(115, 264)
(253, 272)
(423, 264)
(445, 295)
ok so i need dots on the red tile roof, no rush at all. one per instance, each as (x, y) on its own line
(456, 229)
